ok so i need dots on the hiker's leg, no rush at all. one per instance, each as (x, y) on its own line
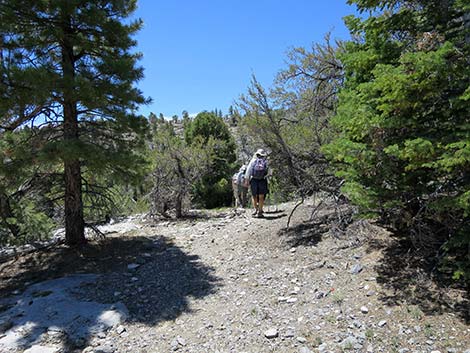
(254, 193)
(255, 203)
(263, 190)
(260, 203)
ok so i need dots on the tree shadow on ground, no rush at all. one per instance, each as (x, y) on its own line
(412, 278)
(151, 276)
(307, 233)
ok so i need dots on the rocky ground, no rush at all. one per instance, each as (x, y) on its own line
(226, 282)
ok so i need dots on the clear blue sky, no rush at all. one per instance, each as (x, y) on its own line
(200, 54)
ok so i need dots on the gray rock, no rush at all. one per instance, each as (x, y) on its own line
(174, 345)
(120, 329)
(357, 268)
(305, 350)
(104, 349)
(271, 333)
(42, 349)
(364, 309)
(349, 342)
(132, 266)
(289, 334)
(382, 323)
(181, 341)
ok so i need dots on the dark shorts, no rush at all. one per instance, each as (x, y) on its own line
(259, 186)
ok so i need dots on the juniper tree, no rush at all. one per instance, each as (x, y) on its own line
(177, 167)
(70, 64)
(213, 187)
(403, 115)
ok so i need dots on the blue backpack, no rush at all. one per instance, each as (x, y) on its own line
(260, 168)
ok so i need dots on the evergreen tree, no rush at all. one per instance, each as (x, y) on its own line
(213, 188)
(403, 115)
(69, 63)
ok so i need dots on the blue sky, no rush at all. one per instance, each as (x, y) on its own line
(200, 54)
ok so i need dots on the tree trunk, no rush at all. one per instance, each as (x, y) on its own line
(74, 222)
(6, 213)
(179, 206)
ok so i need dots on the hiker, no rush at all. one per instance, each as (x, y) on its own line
(240, 189)
(256, 173)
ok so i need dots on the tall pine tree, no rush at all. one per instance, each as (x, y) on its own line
(69, 65)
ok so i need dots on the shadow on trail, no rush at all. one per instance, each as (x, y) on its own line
(152, 277)
(307, 233)
(413, 280)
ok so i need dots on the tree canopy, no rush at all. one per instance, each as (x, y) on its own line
(68, 69)
(403, 148)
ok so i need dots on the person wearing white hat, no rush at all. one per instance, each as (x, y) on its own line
(255, 175)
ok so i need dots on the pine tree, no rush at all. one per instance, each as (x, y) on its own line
(70, 64)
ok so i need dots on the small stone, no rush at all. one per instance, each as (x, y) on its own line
(271, 333)
(305, 350)
(435, 351)
(181, 341)
(382, 323)
(120, 329)
(132, 266)
(174, 345)
(364, 309)
(41, 349)
(322, 347)
(349, 342)
(289, 334)
(301, 339)
(104, 349)
(356, 269)
(370, 293)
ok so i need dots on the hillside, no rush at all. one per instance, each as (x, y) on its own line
(222, 281)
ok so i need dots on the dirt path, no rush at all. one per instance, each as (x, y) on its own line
(228, 282)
